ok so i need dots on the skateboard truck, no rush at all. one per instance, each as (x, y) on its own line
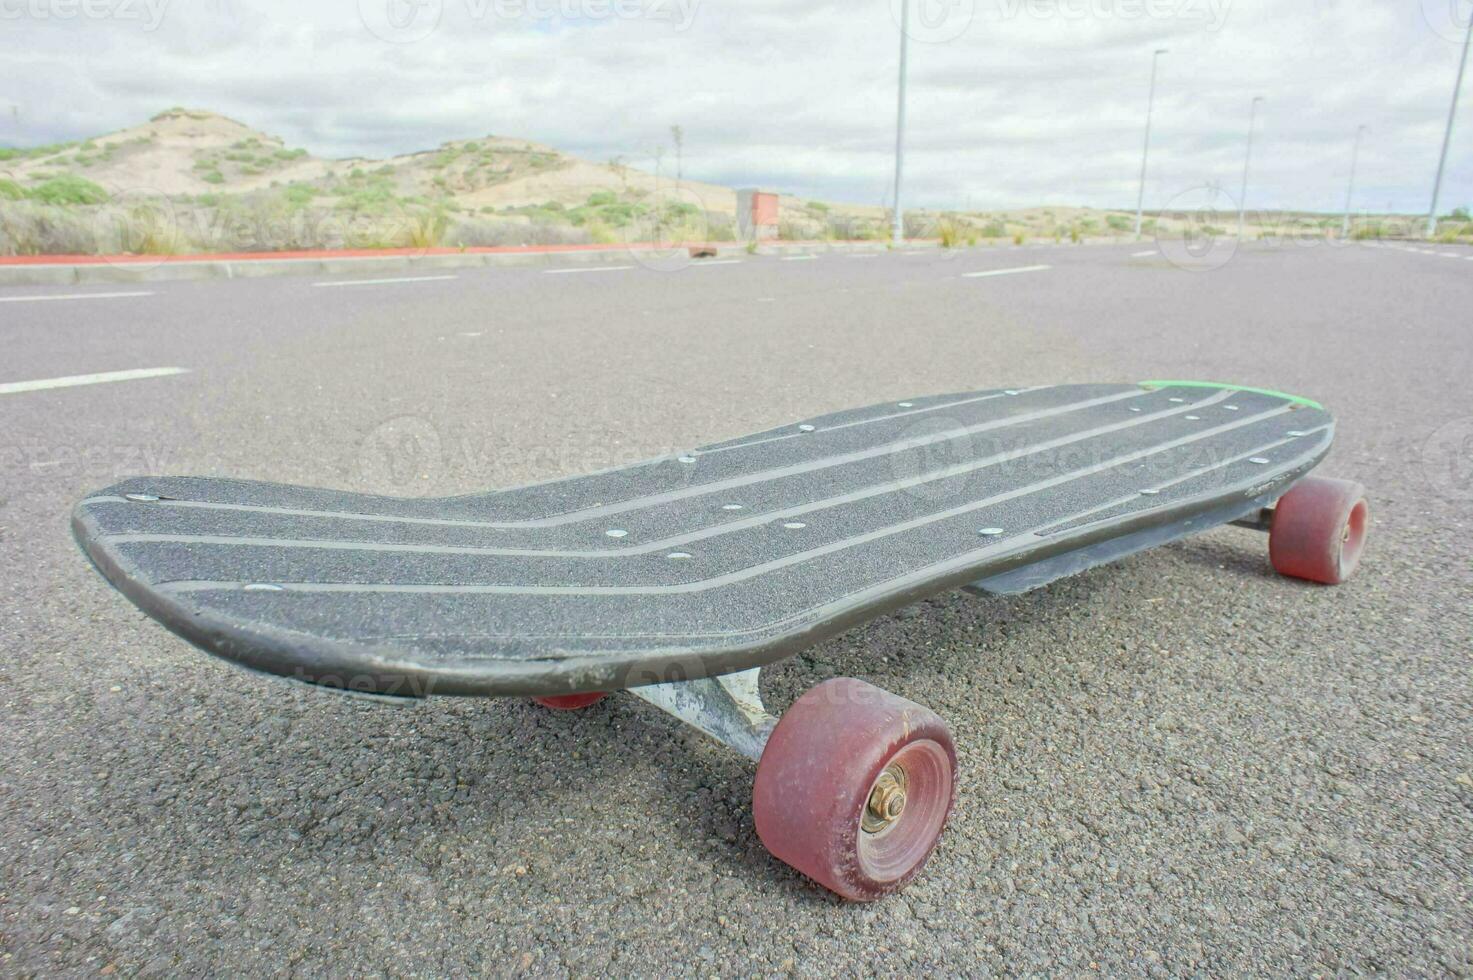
(727, 708)
(1261, 519)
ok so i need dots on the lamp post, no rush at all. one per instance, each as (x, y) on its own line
(1140, 201)
(1350, 190)
(1247, 162)
(1447, 138)
(897, 231)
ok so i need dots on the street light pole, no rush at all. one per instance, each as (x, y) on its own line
(1140, 201)
(1447, 138)
(897, 231)
(1350, 190)
(1247, 162)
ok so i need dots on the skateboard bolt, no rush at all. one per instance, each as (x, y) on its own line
(886, 800)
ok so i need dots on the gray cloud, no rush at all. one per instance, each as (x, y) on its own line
(1018, 101)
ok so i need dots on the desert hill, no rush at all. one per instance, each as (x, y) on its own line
(187, 152)
(189, 180)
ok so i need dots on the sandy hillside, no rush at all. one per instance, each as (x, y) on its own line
(228, 186)
(193, 152)
(175, 153)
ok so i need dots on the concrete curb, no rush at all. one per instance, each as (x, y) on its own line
(82, 273)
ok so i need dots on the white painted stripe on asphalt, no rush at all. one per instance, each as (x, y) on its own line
(597, 268)
(43, 299)
(16, 387)
(1451, 255)
(1141, 255)
(869, 255)
(380, 282)
(705, 263)
(1005, 272)
(799, 258)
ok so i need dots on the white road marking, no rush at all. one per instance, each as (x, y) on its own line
(380, 282)
(597, 268)
(1451, 255)
(799, 258)
(1141, 255)
(43, 299)
(871, 255)
(766, 299)
(16, 387)
(1005, 272)
(704, 263)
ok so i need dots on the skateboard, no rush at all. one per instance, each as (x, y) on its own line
(679, 578)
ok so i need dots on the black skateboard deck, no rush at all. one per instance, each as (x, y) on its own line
(709, 562)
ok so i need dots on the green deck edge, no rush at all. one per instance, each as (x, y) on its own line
(1214, 384)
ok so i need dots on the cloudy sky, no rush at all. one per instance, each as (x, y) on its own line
(1012, 102)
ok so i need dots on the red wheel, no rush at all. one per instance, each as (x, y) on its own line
(1319, 530)
(854, 787)
(571, 702)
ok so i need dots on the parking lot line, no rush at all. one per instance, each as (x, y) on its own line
(599, 268)
(65, 296)
(76, 380)
(380, 282)
(1005, 272)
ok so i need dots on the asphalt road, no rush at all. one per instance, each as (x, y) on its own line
(1176, 764)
